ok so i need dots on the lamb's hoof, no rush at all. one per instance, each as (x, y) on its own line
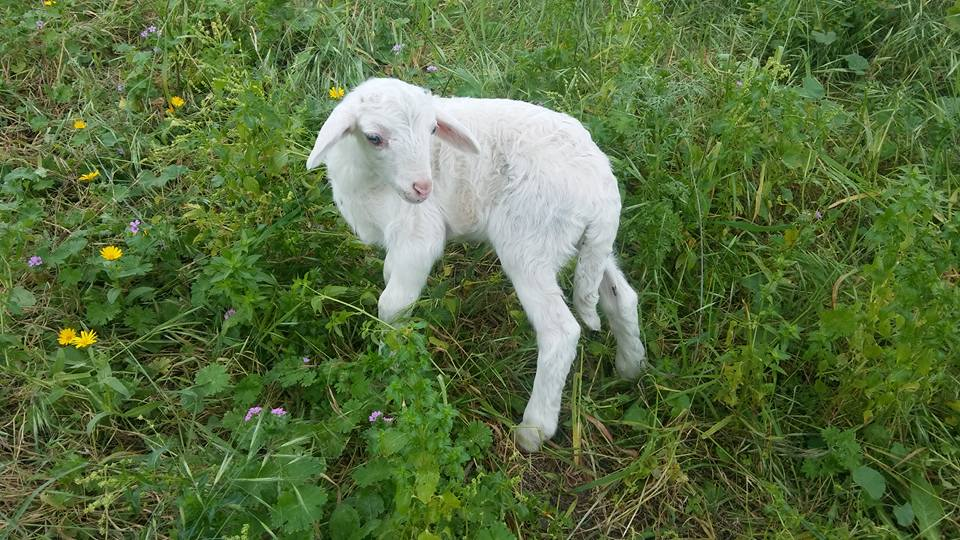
(631, 364)
(529, 437)
(591, 320)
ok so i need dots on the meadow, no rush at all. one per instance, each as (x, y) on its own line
(188, 340)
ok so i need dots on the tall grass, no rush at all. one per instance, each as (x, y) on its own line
(790, 218)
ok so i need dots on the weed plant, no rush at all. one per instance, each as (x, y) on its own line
(790, 179)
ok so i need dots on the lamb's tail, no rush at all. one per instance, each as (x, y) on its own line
(595, 248)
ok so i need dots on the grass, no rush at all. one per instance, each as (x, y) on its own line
(790, 221)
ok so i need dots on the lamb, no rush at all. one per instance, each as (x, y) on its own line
(410, 171)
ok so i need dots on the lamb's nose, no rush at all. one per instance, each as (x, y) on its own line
(422, 187)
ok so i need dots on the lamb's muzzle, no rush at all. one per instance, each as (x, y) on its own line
(422, 188)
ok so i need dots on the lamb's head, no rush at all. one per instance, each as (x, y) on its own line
(391, 123)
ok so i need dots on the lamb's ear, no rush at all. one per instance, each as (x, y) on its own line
(340, 121)
(452, 132)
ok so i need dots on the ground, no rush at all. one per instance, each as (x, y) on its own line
(789, 176)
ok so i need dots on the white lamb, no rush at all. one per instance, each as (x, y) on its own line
(529, 180)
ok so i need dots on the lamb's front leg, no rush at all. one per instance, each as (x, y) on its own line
(405, 271)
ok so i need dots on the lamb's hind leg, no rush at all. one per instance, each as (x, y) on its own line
(618, 301)
(557, 336)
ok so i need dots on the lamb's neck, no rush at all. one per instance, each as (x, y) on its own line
(349, 168)
(366, 203)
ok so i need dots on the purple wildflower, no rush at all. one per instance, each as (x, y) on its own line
(397, 48)
(34, 261)
(40, 25)
(432, 68)
(230, 313)
(278, 411)
(144, 34)
(253, 411)
(378, 415)
(152, 29)
(306, 359)
(818, 215)
(134, 227)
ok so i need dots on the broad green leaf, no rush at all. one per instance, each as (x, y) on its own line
(113, 294)
(904, 514)
(141, 319)
(250, 184)
(426, 484)
(857, 63)
(497, 531)
(302, 469)
(790, 237)
(20, 173)
(344, 521)
(952, 20)
(391, 442)
(69, 277)
(638, 413)
(20, 298)
(334, 291)
(838, 322)
(108, 139)
(794, 156)
(118, 386)
(870, 480)
(173, 171)
(369, 505)
(825, 38)
(149, 180)
(100, 314)
(371, 473)
(298, 508)
(132, 265)
(476, 438)
(66, 249)
(247, 390)
(812, 89)
(191, 398)
(139, 292)
(926, 507)
(214, 378)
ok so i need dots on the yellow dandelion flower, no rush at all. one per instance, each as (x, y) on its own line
(336, 92)
(86, 338)
(111, 253)
(49, 3)
(88, 176)
(66, 336)
(169, 110)
(79, 123)
(177, 102)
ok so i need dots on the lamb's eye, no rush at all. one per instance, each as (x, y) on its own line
(374, 139)
(434, 130)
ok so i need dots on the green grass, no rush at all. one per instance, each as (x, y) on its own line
(790, 220)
